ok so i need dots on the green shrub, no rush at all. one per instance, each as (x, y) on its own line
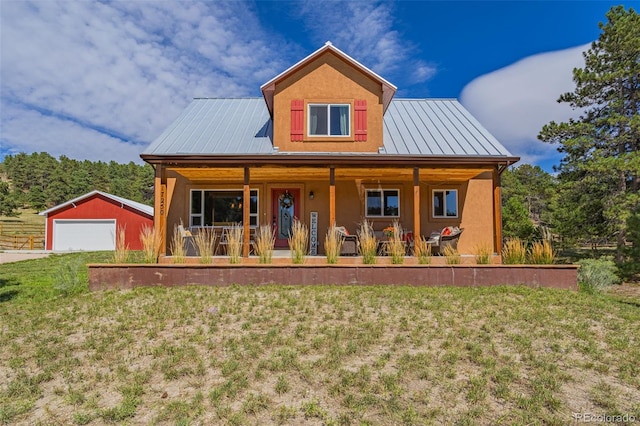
(596, 275)
(71, 276)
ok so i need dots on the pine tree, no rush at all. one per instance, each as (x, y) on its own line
(602, 147)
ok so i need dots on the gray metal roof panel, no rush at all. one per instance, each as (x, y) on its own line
(421, 127)
(436, 127)
(218, 126)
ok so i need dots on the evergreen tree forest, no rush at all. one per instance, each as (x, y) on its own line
(599, 176)
(39, 181)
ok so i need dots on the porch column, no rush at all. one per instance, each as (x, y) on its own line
(497, 211)
(332, 196)
(246, 208)
(416, 202)
(159, 208)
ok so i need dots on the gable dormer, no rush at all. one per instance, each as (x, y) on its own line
(328, 102)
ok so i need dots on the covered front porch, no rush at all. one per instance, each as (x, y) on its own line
(422, 196)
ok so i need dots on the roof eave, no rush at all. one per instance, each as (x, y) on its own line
(327, 160)
(91, 194)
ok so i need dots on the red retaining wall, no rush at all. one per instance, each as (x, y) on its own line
(112, 276)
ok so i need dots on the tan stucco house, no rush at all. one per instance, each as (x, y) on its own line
(329, 143)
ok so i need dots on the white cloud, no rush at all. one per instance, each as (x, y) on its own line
(100, 80)
(515, 102)
(364, 30)
(121, 68)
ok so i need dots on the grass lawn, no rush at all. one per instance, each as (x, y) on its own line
(26, 216)
(309, 355)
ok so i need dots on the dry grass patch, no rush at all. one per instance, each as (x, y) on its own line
(315, 355)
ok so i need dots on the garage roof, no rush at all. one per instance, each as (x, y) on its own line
(133, 204)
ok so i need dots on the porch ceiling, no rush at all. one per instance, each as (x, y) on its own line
(287, 174)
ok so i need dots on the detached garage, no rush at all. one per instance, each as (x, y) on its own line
(91, 221)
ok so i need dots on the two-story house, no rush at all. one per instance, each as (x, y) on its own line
(328, 143)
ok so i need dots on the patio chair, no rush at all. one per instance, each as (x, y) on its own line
(349, 242)
(447, 237)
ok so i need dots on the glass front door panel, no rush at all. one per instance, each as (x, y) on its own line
(286, 206)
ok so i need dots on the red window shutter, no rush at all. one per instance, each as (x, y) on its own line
(297, 120)
(360, 120)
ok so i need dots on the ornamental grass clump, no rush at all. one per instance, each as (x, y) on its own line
(151, 240)
(333, 244)
(514, 252)
(121, 254)
(396, 244)
(422, 250)
(205, 241)
(451, 256)
(541, 253)
(298, 241)
(265, 241)
(234, 236)
(483, 254)
(367, 243)
(177, 246)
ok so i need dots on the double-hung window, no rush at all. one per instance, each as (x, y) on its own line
(382, 203)
(445, 203)
(221, 207)
(329, 120)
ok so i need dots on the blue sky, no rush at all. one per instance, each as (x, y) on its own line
(101, 80)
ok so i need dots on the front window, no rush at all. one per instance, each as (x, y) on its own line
(329, 120)
(221, 207)
(445, 203)
(383, 203)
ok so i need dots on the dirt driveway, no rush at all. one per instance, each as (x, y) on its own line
(16, 256)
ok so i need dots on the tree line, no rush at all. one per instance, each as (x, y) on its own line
(39, 181)
(595, 196)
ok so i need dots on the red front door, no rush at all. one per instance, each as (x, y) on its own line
(285, 204)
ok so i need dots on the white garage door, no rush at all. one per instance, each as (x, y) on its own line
(87, 235)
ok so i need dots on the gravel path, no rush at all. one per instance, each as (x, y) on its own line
(15, 256)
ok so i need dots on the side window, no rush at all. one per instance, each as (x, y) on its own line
(382, 203)
(445, 203)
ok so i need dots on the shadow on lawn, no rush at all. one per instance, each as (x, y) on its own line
(5, 282)
(8, 295)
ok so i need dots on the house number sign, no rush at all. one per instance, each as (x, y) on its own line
(313, 234)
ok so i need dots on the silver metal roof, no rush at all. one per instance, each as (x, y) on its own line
(421, 127)
(218, 126)
(133, 204)
(436, 127)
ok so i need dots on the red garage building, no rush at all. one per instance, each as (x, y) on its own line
(90, 223)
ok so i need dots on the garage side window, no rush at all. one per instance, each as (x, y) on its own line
(221, 207)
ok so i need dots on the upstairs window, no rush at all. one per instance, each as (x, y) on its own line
(329, 120)
(383, 203)
(445, 203)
